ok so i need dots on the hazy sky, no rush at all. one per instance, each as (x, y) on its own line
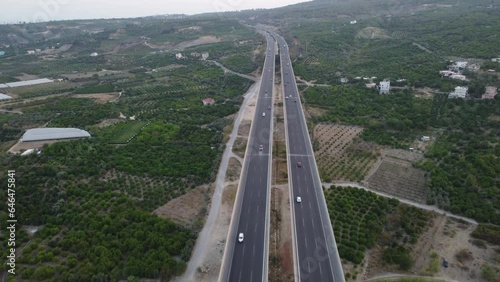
(44, 10)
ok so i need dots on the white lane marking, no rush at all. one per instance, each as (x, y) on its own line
(251, 193)
(255, 230)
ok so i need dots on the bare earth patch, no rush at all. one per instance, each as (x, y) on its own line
(399, 178)
(108, 122)
(341, 156)
(100, 98)
(449, 239)
(233, 170)
(20, 147)
(371, 32)
(185, 209)
(209, 271)
(200, 41)
(316, 111)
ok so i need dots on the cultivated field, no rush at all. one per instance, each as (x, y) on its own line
(340, 155)
(124, 132)
(399, 178)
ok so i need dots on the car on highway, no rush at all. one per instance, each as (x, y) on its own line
(263, 114)
(295, 101)
(269, 107)
(240, 237)
(299, 164)
(299, 200)
(261, 147)
(286, 97)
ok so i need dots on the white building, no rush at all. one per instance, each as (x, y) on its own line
(95, 54)
(497, 60)
(461, 65)
(458, 76)
(353, 22)
(385, 87)
(204, 55)
(460, 92)
(447, 73)
(4, 97)
(490, 93)
(424, 138)
(30, 52)
(178, 56)
(344, 80)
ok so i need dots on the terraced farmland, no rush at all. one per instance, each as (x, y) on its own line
(399, 178)
(340, 155)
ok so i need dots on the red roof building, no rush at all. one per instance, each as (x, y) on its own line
(208, 101)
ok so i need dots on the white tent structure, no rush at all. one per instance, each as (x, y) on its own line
(42, 134)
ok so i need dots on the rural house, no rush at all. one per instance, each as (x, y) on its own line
(208, 101)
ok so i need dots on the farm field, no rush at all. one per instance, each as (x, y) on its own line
(357, 217)
(399, 178)
(43, 89)
(124, 132)
(374, 233)
(340, 155)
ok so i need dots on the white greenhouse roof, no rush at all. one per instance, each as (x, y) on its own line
(29, 82)
(41, 134)
(4, 97)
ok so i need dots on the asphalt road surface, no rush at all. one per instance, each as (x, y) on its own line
(316, 255)
(247, 260)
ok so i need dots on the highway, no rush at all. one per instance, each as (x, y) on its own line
(315, 251)
(248, 260)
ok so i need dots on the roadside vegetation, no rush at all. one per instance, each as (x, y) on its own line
(362, 220)
(90, 201)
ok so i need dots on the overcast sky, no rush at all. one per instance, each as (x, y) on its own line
(43, 10)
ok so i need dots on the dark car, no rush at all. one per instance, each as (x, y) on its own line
(299, 164)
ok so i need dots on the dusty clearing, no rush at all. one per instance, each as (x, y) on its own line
(20, 147)
(449, 239)
(399, 178)
(186, 209)
(100, 98)
(200, 41)
(341, 156)
(209, 271)
(371, 32)
(316, 111)
(233, 170)
(108, 122)
(244, 128)
(250, 110)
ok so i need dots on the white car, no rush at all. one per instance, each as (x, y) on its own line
(261, 147)
(263, 114)
(299, 199)
(240, 237)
